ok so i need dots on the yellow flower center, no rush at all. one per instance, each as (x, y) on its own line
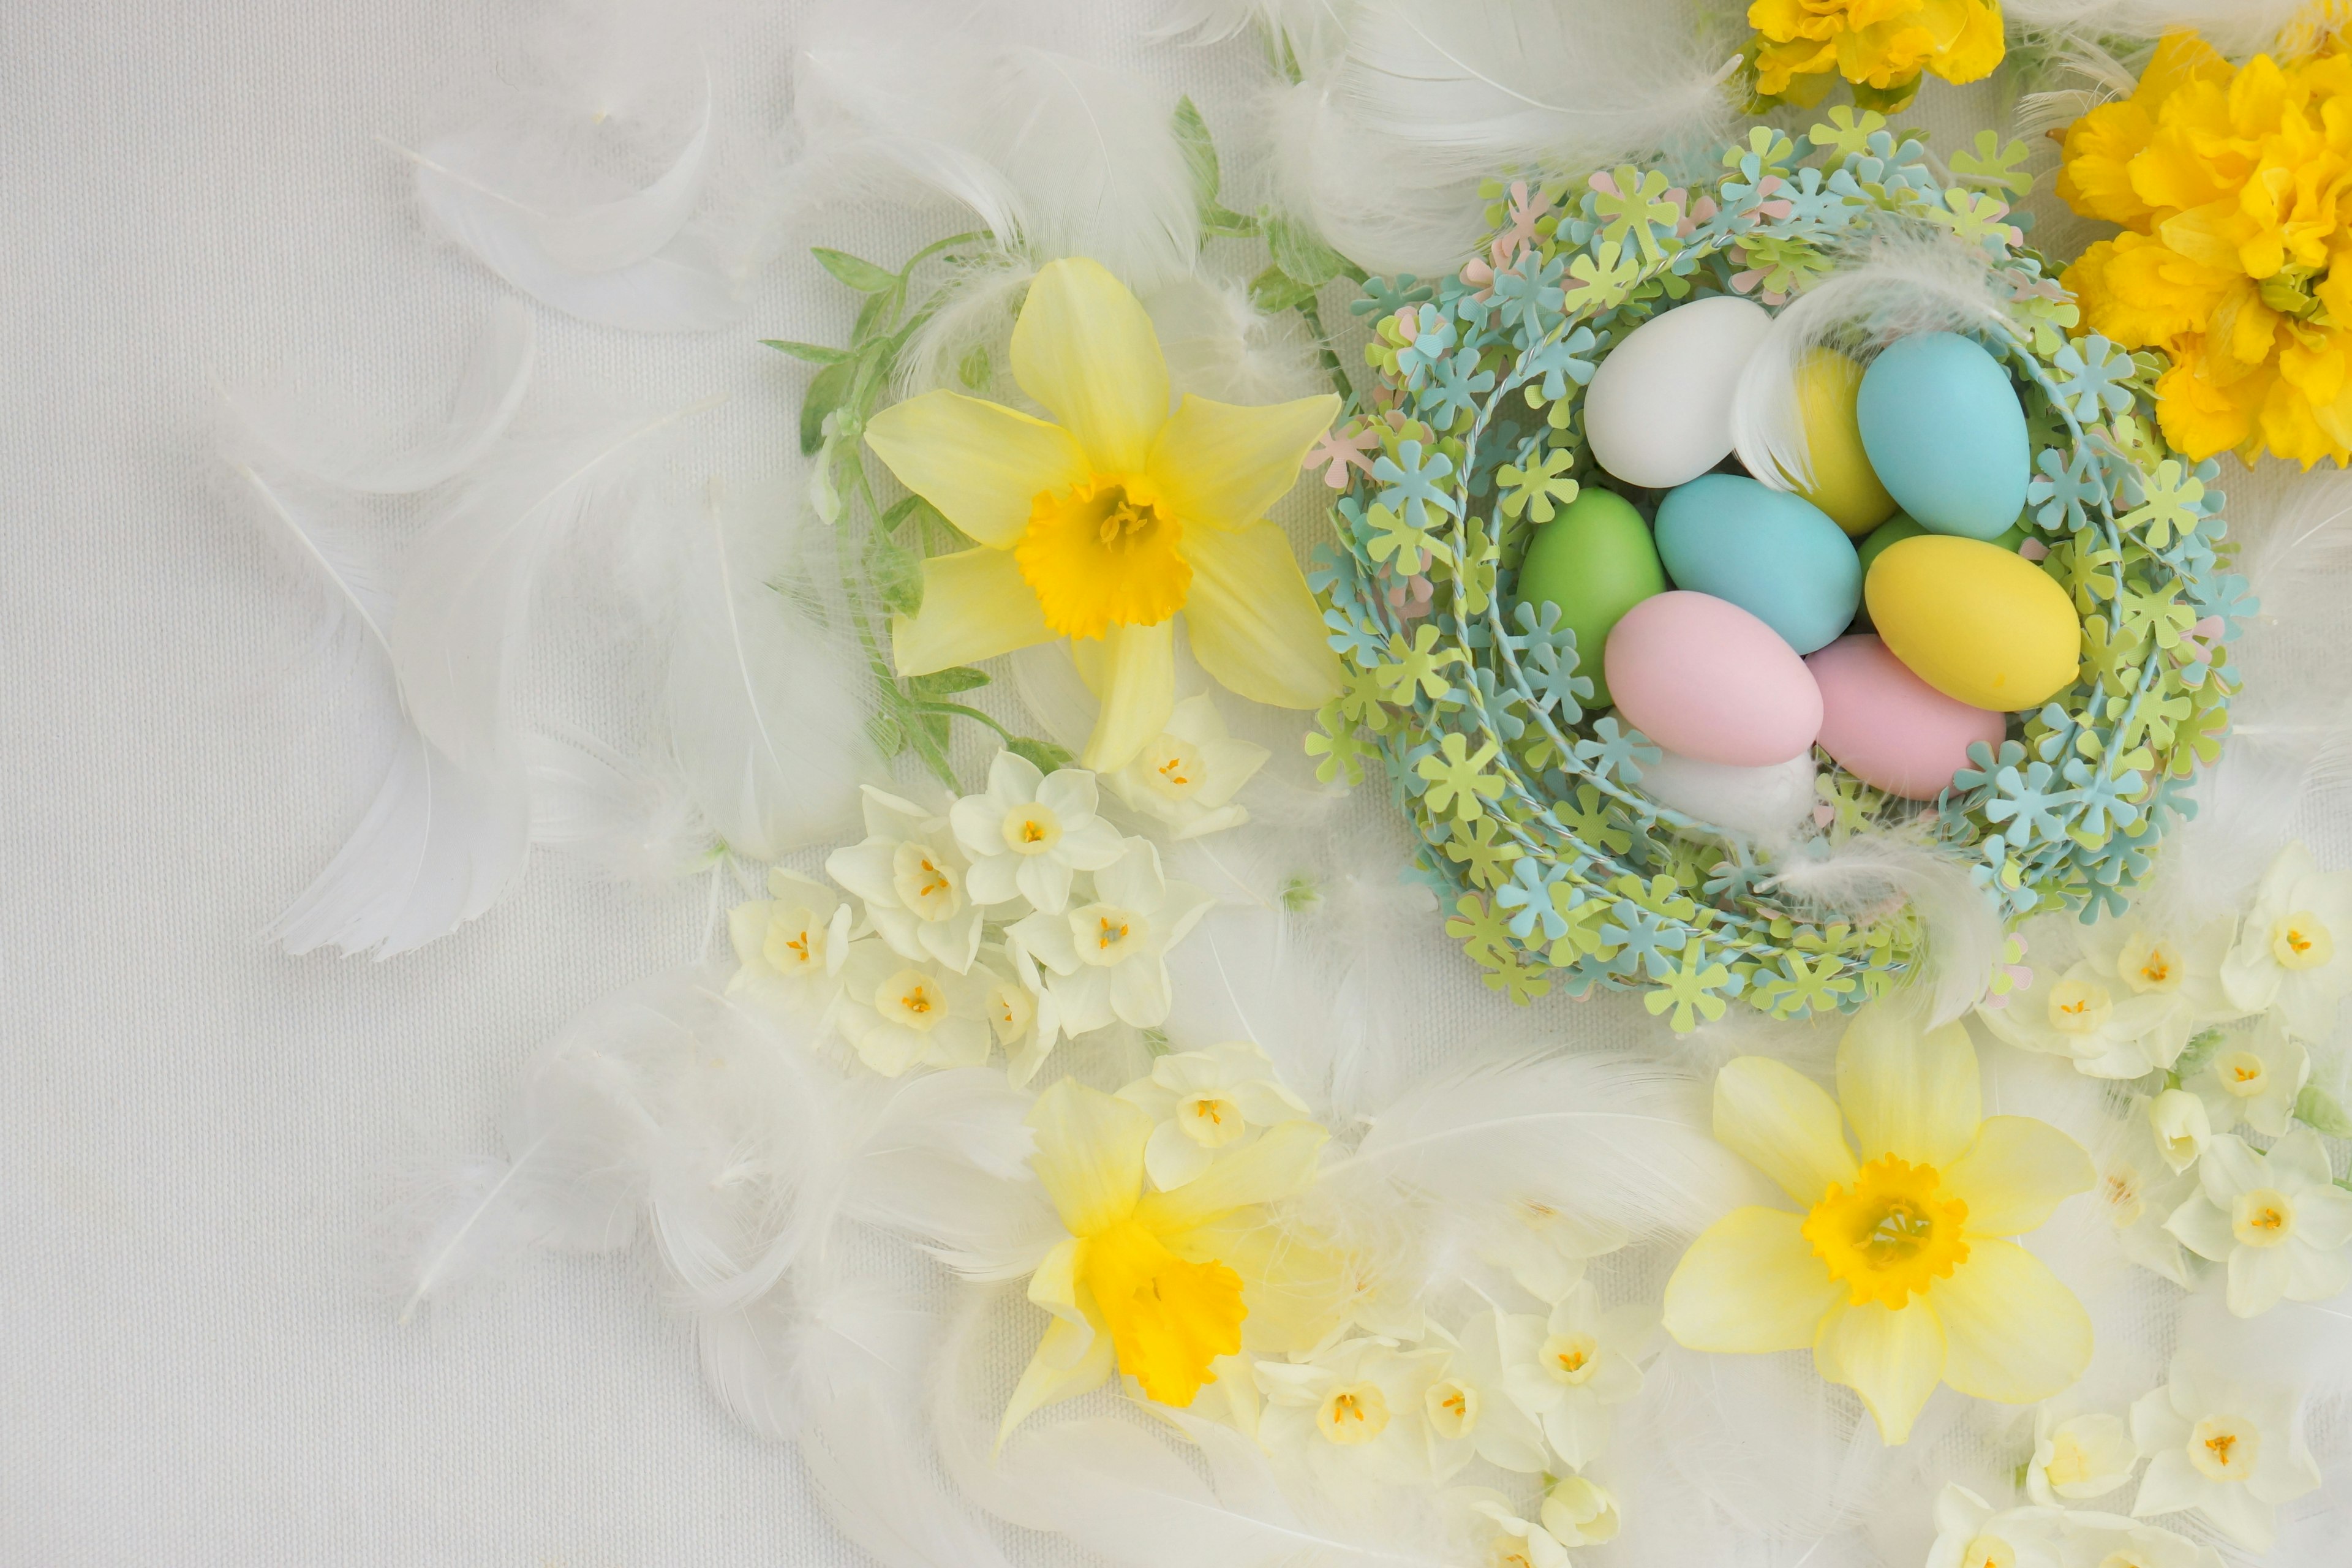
(1105, 935)
(1103, 554)
(1168, 1317)
(2122, 1188)
(2262, 1217)
(1210, 1120)
(1453, 1408)
(2149, 963)
(2242, 1073)
(2301, 942)
(2222, 1447)
(1009, 1011)
(912, 998)
(1894, 1235)
(1988, 1551)
(2070, 1462)
(1172, 767)
(2079, 1007)
(925, 883)
(1353, 1413)
(794, 943)
(1571, 1359)
(1032, 830)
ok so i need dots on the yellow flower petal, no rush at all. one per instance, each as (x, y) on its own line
(1222, 464)
(2016, 1172)
(1135, 674)
(2015, 1333)
(975, 606)
(1279, 1166)
(1254, 623)
(1168, 1317)
(1908, 1093)
(1085, 349)
(1750, 1283)
(981, 465)
(1089, 1155)
(1784, 1125)
(1892, 1356)
(1063, 1368)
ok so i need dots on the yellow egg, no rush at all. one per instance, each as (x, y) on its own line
(1979, 624)
(1843, 485)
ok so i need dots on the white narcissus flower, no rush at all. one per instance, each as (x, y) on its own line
(1569, 1370)
(910, 873)
(2182, 1127)
(1470, 1411)
(1507, 1540)
(1969, 1533)
(2088, 1015)
(896, 1013)
(2137, 1192)
(1543, 1247)
(1356, 1406)
(2077, 1455)
(1021, 1012)
(2230, 1451)
(1109, 957)
(1186, 775)
(1029, 833)
(790, 947)
(1205, 1101)
(1581, 1512)
(2110, 1540)
(2287, 958)
(2278, 1220)
(2253, 1078)
(2183, 970)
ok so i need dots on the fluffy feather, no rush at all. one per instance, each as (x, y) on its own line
(631, 818)
(2234, 26)
(765, 714)
(375, 453)
(1863, 874)
(1308, 34)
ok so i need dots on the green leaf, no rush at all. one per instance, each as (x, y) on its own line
(1274, 290)
(1043, 755)
(1300, 251)
(815, 353)
(1199, 153)
(896, 574)
(2200, 1050)
(890, 736)
(874, 317)
(929, 734)
(947, 682)
(1887, 100)
(2317, 1110)
(826, 393)
(860, 275)
(1223, 223)
(974, 370)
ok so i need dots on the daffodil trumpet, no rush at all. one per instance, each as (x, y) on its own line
(1105, 523)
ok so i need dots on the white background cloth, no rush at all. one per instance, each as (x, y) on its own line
(196, 1131)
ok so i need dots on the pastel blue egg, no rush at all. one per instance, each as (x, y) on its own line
(1776, 555)
(1946, 435)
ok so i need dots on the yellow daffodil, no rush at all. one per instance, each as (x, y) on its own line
(1102, 526)
(1894, 1272)
(1147, 1279)
(2229, 184)
(1881, 45)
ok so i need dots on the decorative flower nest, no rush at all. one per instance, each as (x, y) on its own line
(1555, 865)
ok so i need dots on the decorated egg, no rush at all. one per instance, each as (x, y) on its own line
(1981, 624)
(1774, 554)
(1889, 727)
(1701, 676)
(1945, 434)
(1839, 480)
(1765, 801)
(1594, 561)
(1658, 412)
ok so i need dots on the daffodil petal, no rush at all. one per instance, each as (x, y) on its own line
(1051, 1376)
(1280, 1164)
(2015, 1333)
(1892, 1356)
(2015, 1173)
(980, 464)
(1224, 465)
(1750, 1283)
(1085, 348)
(1254, 623)
(1136, 680)
(1908, 1092)
(975, 606)
(1784, 1125)
(1090, 1153)
(1055, 1284)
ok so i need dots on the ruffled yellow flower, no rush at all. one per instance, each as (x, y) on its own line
(1102, 527)
(1881, 45)
(1895, 1273)
(1147, 1280)
(2231, 186)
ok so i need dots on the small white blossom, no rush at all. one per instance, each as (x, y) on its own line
(1185, 778)
(1581, 1512)
(790, 947)
(1110, 957)
(1355, 1408)
(1569, 1370)
(2181, 1125)
(1504, 1538)
(2137, 1191)
(2253, 1078)
(910, 873)
(2110, 1540)
(1470, 1411)
(1204, 1102)
(1029, 833)
(1543, 1247)
(2089, 1017)
(2230, 1451)
(2183, 970)
(1020, 1012)
(896, 1013)
(1969, 1533)
(2077, 1456)
(2279, 1220)
(2287, 958)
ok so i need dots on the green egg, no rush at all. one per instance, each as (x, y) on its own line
(1595, 561)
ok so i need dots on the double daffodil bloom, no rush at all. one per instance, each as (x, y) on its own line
(1143, 1278)
(1105, 524)
(1895, 1273)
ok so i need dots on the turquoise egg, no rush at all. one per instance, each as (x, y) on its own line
(1946, 435)
(1776, 555)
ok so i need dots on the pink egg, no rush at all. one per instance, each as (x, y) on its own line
(1889, 727)
(1703, 678)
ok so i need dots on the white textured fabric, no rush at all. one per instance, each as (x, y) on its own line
(194, 1130)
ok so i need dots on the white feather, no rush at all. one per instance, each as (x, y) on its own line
(1311, 33)
(1874, 872)
(2237, 28)
(765, 712)
(631, 818)
(376, 454)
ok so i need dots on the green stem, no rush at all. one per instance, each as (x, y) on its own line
(961, 711)
(1313, 314)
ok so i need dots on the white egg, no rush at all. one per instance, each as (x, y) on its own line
(1658, 413)
(1767, 802)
